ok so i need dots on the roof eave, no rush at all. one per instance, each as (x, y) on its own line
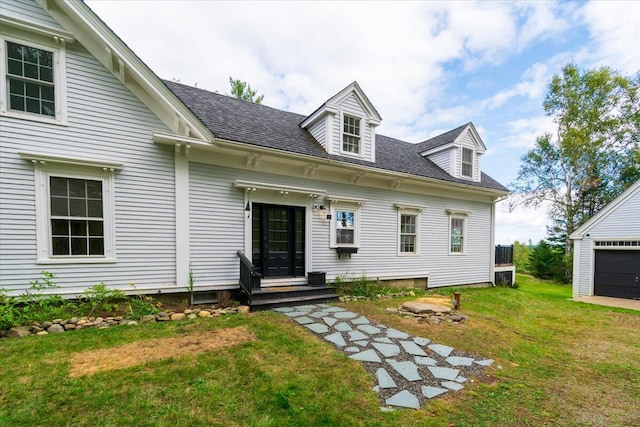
(220, 142)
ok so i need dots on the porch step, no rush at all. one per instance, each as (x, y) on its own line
(280, 296)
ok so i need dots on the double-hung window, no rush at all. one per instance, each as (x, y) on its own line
(351, 134)
(32, 81)
(345, 222)
(467, 162)
(408, 229)
(456, 234)
(74, 209)
(77, 216)
(408, 233)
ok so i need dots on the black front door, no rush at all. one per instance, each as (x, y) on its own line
(278, 240)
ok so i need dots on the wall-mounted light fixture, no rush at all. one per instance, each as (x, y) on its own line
(321, 210)
(247, 209)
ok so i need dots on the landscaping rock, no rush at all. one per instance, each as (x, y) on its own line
(69, 326)
(148, 318)
(56, 328)
(204, 313)
(244, 309)
(178, 316)
(191, 316)
(45, 325)
(18, 332)
(57, 321)
(42, 333)
(162, 317)
(422, 307)
(132, 323)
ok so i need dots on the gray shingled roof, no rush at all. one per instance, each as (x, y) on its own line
(245, 122)
(443, 139)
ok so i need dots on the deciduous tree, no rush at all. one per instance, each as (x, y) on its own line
(594, 154)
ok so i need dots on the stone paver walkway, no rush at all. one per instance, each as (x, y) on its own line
(408, 370)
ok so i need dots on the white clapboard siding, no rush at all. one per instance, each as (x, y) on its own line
(319, 132)
(105, 122)
(30, 9)
(217, 231)
(584, 248)
(443, 159)
(623, 221)
(216, 225)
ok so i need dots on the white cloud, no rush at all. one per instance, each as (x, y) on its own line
(522, 133)
(299, 54)
(521, 224)
(615, 30)
(541, 20)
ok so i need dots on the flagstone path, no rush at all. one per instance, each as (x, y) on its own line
(408, 370)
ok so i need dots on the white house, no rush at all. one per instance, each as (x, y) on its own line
(109, 174)
(606, 260)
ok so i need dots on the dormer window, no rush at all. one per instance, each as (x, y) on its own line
(467, 162)
(351, 134)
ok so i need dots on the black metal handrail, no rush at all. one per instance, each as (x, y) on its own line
(504, 255)
(249, 277)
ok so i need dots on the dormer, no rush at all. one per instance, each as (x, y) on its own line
(346, 124)
(457, 152)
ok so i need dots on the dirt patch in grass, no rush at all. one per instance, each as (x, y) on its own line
(136, 353)
(437, 300)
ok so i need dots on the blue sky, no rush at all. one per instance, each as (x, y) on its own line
(428, 67)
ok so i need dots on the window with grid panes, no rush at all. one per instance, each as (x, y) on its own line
(457, 235)
(408, 233)
(77, 216)
(30, 79)
(351, 134)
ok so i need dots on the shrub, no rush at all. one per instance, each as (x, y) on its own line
(363, 286)
(35, 305)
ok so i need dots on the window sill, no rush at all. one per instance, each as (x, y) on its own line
(51, 261)
(351, 154)
(456, 253)
(34, 118)
(408, 254)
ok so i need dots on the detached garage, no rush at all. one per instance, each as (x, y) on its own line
(606, 258)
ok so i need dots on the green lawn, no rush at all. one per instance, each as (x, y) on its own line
(557, 363)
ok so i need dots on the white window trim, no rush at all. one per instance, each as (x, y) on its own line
(407, 210)
(345, 206)
(59, 80)
(360, 152)
(462, 162)
(463, 217)
(43, 170)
